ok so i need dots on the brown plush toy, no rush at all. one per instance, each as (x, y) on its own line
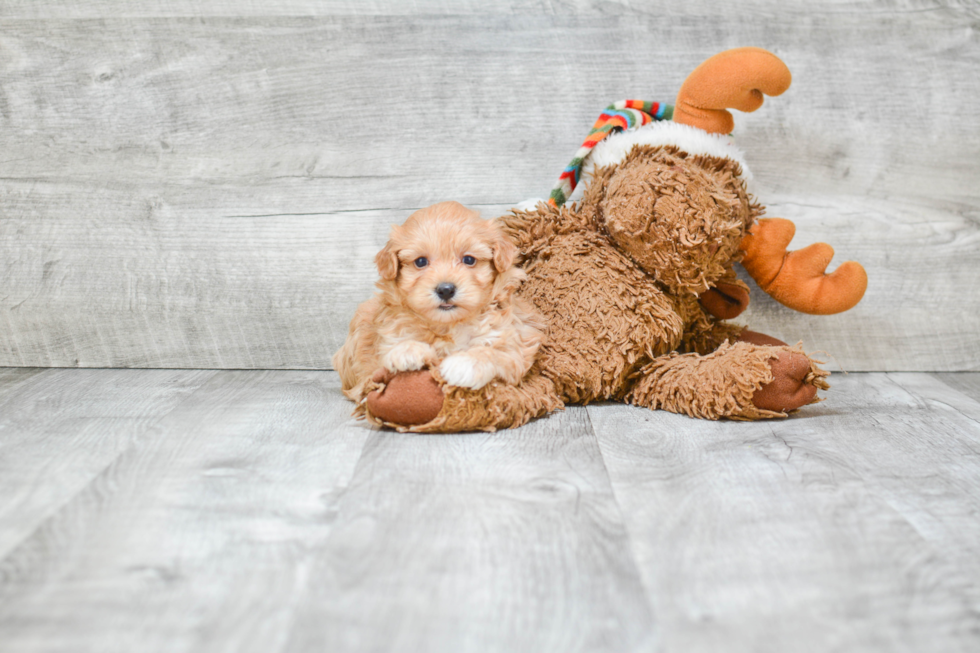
(637, 280)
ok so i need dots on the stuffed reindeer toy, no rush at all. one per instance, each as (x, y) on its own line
(636, 281)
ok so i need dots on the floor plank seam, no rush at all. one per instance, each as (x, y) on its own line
(955, 391)
(630, 537)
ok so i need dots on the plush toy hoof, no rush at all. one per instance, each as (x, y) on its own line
(725, 301)
(408, 398)
(788, 389)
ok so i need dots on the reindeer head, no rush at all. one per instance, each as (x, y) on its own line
(681, 217)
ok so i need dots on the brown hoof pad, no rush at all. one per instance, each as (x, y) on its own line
(408, 398)
(788, 389)
(725, 301)
(756, 338)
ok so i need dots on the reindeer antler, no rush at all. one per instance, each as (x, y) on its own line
(798, 279)
(733, 79)
(739, 79)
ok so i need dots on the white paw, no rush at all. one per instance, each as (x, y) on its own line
(465, 372)
(408, 356)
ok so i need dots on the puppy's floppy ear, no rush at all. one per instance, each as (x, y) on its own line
(504, 250)
(387, 262)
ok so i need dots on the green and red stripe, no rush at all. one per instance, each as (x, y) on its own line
(623, 115)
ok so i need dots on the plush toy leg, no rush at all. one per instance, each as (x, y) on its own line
(756, 338)
(739, 381)
(421, 402)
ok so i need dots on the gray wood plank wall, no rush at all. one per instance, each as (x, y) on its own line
(203, 184)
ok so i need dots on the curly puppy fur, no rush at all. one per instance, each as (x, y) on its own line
(446, 301)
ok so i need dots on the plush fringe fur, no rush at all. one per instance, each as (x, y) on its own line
(617, 279)
(720, 384)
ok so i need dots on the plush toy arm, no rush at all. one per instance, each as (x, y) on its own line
(728, 298)
(707, 340)
(420, 402)
(798, 279)
(404, 399)
(738, 381)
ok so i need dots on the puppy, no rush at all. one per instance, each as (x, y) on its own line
(446, 299)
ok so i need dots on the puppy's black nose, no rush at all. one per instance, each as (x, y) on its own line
(445, 291)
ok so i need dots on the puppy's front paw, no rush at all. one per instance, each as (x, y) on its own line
(408, 356)
(466, 372)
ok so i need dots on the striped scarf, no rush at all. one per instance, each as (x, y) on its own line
(625, 114)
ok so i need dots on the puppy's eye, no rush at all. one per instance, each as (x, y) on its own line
(421, 262)
(469, 260)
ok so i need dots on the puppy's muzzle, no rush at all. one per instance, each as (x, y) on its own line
(445, 291)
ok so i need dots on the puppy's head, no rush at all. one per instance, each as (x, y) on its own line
(446, 263)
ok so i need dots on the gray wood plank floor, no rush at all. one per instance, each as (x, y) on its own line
(179, 510)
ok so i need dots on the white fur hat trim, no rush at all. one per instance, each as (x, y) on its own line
(614, 148)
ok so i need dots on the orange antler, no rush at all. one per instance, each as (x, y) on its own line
(734, 79)
(798, 279)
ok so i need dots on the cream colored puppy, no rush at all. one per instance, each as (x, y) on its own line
(446, 299)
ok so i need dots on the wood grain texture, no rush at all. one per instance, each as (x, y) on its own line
(851, 526)
(258, 8)
(236, 8)
(968, 384)
(11, 377)
(197, 538)
(196, 283)
(132, 131)
(241, 523)
(478, 542)
(59, 431)
(245, 511)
